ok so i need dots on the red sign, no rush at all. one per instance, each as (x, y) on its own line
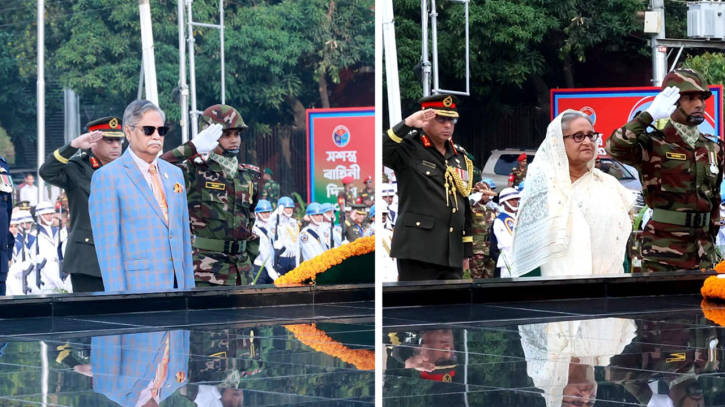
(611, 108)
(340, 143)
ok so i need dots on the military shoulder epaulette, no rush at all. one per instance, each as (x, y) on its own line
(249, 167)
(711, 137)
(461, 149)
(347, 223)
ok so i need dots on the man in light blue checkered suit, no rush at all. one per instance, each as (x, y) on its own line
(142, 239)
(124, 367)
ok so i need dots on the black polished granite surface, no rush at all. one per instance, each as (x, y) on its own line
(313, 355)
(635, 351)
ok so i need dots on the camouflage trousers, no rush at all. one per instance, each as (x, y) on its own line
(481, 266)
(666, 247)
(212, 269)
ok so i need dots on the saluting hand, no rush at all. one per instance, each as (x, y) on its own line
(87, 141)
(419, 118)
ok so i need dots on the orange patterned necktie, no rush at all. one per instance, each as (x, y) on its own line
(162, 370)
(159, 192)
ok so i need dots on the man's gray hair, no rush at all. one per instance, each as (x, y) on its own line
(567, 118)
(135, 110)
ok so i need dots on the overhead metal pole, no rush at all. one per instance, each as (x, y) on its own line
(41, 94)
(659, 55)
(183, 88)
(147, 44)
(436, 72)
(192, 72)
(425, 62)
(139, 94)
(391, 64)
(434, 25)
(221, 37)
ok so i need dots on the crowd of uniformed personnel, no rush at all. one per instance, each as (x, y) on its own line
(243, 230)
(450, 227)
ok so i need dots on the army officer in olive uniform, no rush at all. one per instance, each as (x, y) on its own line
(433, 237)
(101, 145)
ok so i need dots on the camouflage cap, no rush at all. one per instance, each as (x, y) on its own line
(687, 80)
(225, 115)
(110, 126)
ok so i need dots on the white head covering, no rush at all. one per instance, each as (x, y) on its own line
(23, 216)
(44, 207)
(546, 213)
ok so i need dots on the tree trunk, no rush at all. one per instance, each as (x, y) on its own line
(298, 110)
(324, 97)
(542, 91)
(568, 72)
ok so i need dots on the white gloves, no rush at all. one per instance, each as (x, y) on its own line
(278, 245)
(208, 139)
(664, 103)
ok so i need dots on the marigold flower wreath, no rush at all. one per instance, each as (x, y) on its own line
(311, 268)
(318, 340)
(714, 286)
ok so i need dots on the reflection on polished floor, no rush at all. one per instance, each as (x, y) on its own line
(316, 355)
(648, 351)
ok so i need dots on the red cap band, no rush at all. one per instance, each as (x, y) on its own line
(438, 104)
(104, 127)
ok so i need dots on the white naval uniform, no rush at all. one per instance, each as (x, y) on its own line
(505, 238)
(311, 241)
(288, 236)
(266, 250)
(48, 242)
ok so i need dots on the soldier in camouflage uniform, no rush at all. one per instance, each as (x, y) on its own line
(222, 195)
(518, 173)
(482, 266)
(680, 169)
(348, 194)
(368, 193)
(270, 191)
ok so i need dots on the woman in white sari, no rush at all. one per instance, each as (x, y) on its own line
(573, 219)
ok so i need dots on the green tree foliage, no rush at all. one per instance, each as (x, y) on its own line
(710, 64)
(7, 149)
(516, 42)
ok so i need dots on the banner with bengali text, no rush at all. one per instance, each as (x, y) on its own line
(611, 108)
(340, 143)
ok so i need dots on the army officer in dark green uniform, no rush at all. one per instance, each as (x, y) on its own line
(433, 237)
(101, 145)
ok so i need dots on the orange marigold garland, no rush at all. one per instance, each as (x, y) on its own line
(714, 287)
(310, 268)
(318, 340)
(713, 311)
(720, 267)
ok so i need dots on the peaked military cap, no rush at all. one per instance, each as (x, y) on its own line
(360, 208)
(23, 205)
(110, 126)
(444, 105)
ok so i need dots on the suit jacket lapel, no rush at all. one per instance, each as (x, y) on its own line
(138, 179)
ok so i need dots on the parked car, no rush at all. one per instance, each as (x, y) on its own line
(501, 162)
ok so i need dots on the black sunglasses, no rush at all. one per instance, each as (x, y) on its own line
(444, 119)
(149, 130)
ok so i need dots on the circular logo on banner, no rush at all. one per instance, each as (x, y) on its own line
(341, 136)
(590, 112)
